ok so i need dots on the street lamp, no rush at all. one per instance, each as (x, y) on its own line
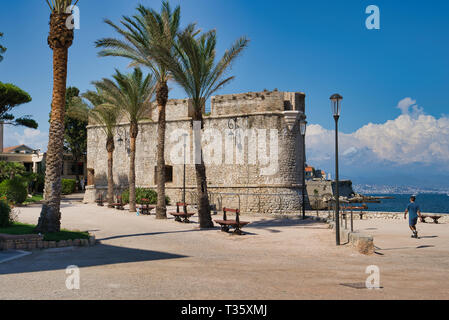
(302, 128)
(184, 176)
(336, 109)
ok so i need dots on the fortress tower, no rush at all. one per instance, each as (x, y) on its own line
(252, 148)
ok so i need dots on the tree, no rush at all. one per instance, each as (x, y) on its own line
(75, 128)
(11, 97)
(8, 170)
(2, 48)
(141, 34)
(194, 68)
(59, 40)
(132, 93)
(106, 115)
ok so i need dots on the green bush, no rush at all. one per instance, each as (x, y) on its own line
(143, 193)
(14, 190)
(68, 186)
(5, 214)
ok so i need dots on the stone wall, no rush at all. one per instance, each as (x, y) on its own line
(244, 124)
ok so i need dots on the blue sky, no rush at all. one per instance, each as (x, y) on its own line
(318, 47)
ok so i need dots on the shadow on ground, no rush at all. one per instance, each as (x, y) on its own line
(281, 222)
(56, 259)
(149, 234)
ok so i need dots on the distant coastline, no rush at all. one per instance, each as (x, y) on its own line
(429, 202)
(387, 190)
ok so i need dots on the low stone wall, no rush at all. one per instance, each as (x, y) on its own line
(379, 215)
(35, 241)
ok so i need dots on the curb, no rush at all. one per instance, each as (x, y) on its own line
(34, 242)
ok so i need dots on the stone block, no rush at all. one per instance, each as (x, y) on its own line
(61, 244)
(32, 245)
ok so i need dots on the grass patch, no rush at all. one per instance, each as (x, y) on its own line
(35, 198)
(18, 228)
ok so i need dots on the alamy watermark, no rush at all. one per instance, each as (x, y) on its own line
(372, 22)
(73, 21)
(72, 282)
(373, 280)
(230, 146)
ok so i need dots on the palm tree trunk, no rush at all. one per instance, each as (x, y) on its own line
(132, 167)
(50, 216)
(204, 216)
(60, 38)
(110, 148)
(161, 98)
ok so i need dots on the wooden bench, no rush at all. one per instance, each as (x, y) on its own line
(236, 224)
(178, 214)
(99, 200)
(145, 207)
(425, 216)
(119, 204)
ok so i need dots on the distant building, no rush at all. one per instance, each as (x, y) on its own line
(311, 173)
(34, 161)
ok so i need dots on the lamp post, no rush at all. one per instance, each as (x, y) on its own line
(336, 109)
(303, 127)
(184, 176)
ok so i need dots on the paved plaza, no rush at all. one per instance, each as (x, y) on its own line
(143, 258)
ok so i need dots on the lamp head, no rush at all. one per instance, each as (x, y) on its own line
(303, 127)
(336, 104)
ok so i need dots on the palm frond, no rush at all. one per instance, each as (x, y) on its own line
(60, 6)
(193, 65)
(140, 34)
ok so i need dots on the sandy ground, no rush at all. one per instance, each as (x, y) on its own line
(143, 258)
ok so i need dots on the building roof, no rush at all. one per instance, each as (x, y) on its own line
(14, 148)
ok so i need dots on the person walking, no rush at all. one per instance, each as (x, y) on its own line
(414, 212)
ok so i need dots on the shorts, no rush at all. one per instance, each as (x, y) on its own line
(412, 221)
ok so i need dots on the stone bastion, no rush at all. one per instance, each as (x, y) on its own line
(251, 144)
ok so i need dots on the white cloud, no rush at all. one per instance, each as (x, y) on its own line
(408, 107)
(30, 137)
(413, 137)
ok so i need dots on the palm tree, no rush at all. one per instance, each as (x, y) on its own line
(105, 115)
(60, 39)
(141, 34)
(133, 94)
(194, 68)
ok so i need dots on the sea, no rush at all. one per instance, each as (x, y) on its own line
(428, 202)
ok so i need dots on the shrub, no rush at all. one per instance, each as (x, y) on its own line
(68, 186)
(14, 190)
(143, 193)
(5, 214)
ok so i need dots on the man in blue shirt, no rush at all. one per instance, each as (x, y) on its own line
(414, 212)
